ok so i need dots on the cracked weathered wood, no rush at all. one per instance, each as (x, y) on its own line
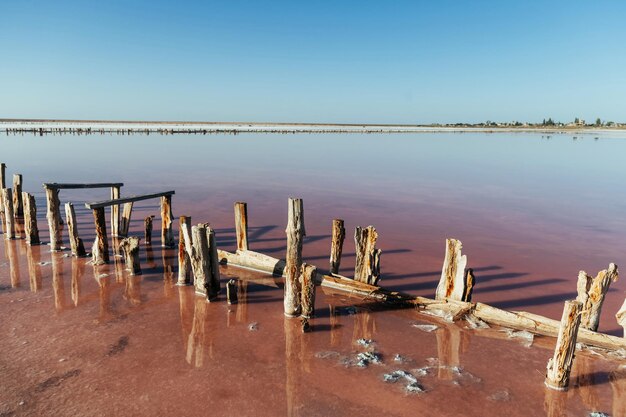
(76, 243)
(130, 247)
(336, 245)
(115, 212)
(241, 225)
(214, 289)
(9, 219)
(100, 250)
(295, 234)
(621, 317)
(456, 281)
(307, 284)
(30, 219)
(184, 262)
(591, 292)
(148, 229)
(560, 365)
(167, 235)
(231, 292)
(18, 206)
(53, 217)
(367, 264)
(125, 220)
(201, 260)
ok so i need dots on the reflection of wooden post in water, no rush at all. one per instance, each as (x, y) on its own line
(293, 367)
(242, 301)
(14, 262)
(195, 341)
(554, 403)
(168, 273)
(57, 282)
(585, 380)
(364, 325)
(335, 326)
(132, 289)
(150, 257)
(618, 385)
(186, 299)
(78, 270)
(448, 350)
(33, 256)
(231, 292)
(105, 292)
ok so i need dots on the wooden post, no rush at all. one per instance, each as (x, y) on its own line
(214, 263)
(560, 366)
(167, 235)
(100, 250)
(241, 225)
(3, 168)
(18, 206)
(367, 266)
(7, 199)
(130, 246)
(30, 219)
(295, 234)
(336, 245)
(591, 292)
(231, 291)
(621, 317)
(184, 262)
(456, 282)
(76, 243)
(148, 232)
(125, 222)
(307, 283)
(201, 260)
(115, 212)
(52, 199)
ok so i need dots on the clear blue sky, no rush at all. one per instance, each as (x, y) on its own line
(335, 61)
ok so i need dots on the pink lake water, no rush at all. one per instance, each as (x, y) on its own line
(530, 210)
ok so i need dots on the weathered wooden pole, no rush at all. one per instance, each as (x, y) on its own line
(456, 281)
(124, 223)
(148, 229)
(167, 235)
(130, 247)
(241, 225)
(307, 283)
(184, 262)
(3, 168)
(560, 365)
(621, 317)
(367, 266)
(52, 214)
(30, 219)
(201, 260)
(591, 292)
(336, 245)
(9, 220)
(18, 207)
(295, 234)
(76, 243)
(115, 212)
(215, 264)
(231, 291)
(100, 250)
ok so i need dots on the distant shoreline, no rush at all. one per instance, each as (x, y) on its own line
(48, 126)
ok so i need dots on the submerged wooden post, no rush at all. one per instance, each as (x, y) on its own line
(560, 365)
(214, 263)
(130, 247)
(231, 291)
(167, 235)
(621, 317)
(30, 219)
(148, 232)
(367, 266)
(76, 243)
(115, 212)
(241, 225)
(307, 283)
(18, 206)
(591, 292)
(7, 201)
(336, 245)
(184, 262)
(456, 281)
(53, 203)
(100, 250)
(125, 221)
(295, 235)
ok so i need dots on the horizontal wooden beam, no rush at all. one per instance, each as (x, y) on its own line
(131, 199)
(68, 186)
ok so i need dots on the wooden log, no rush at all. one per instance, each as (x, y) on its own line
(214, 264)
(125, 221)
(148, 229)
(130, 247)
(295, 234)
(336, 245)
(367, 266)
(201, 260)
(9, 220)
(30, 219)
(560, 365)
(167, 235)
(591, 292)
(241, 225)
(68, 186)
(621, 317)
(456, 281)
(100, 250)
(253, 260)
(184, 262)
(76, 243)
(18, 206)
(115, 211)
(231, 291)
(129, 199)
(52, 215)
(307, 283)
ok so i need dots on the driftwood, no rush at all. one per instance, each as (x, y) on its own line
(76, 243)
(253, 260)
(100, 250)
(130, 247)
(621, 317)
(367, 266)
(18, 206)
(295, 234)
(560, 365)
(115, 212)
(307, 284)
(241, 225)
(148, 229)
(54, 218)
(336, 245)
(167, 235)
(184, 262)
(591, 292)
(231, 291)
(124, 224)
(30, 219)
(9, 220)
(456, 281)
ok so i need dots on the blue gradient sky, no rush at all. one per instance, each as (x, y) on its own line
(350, 61)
